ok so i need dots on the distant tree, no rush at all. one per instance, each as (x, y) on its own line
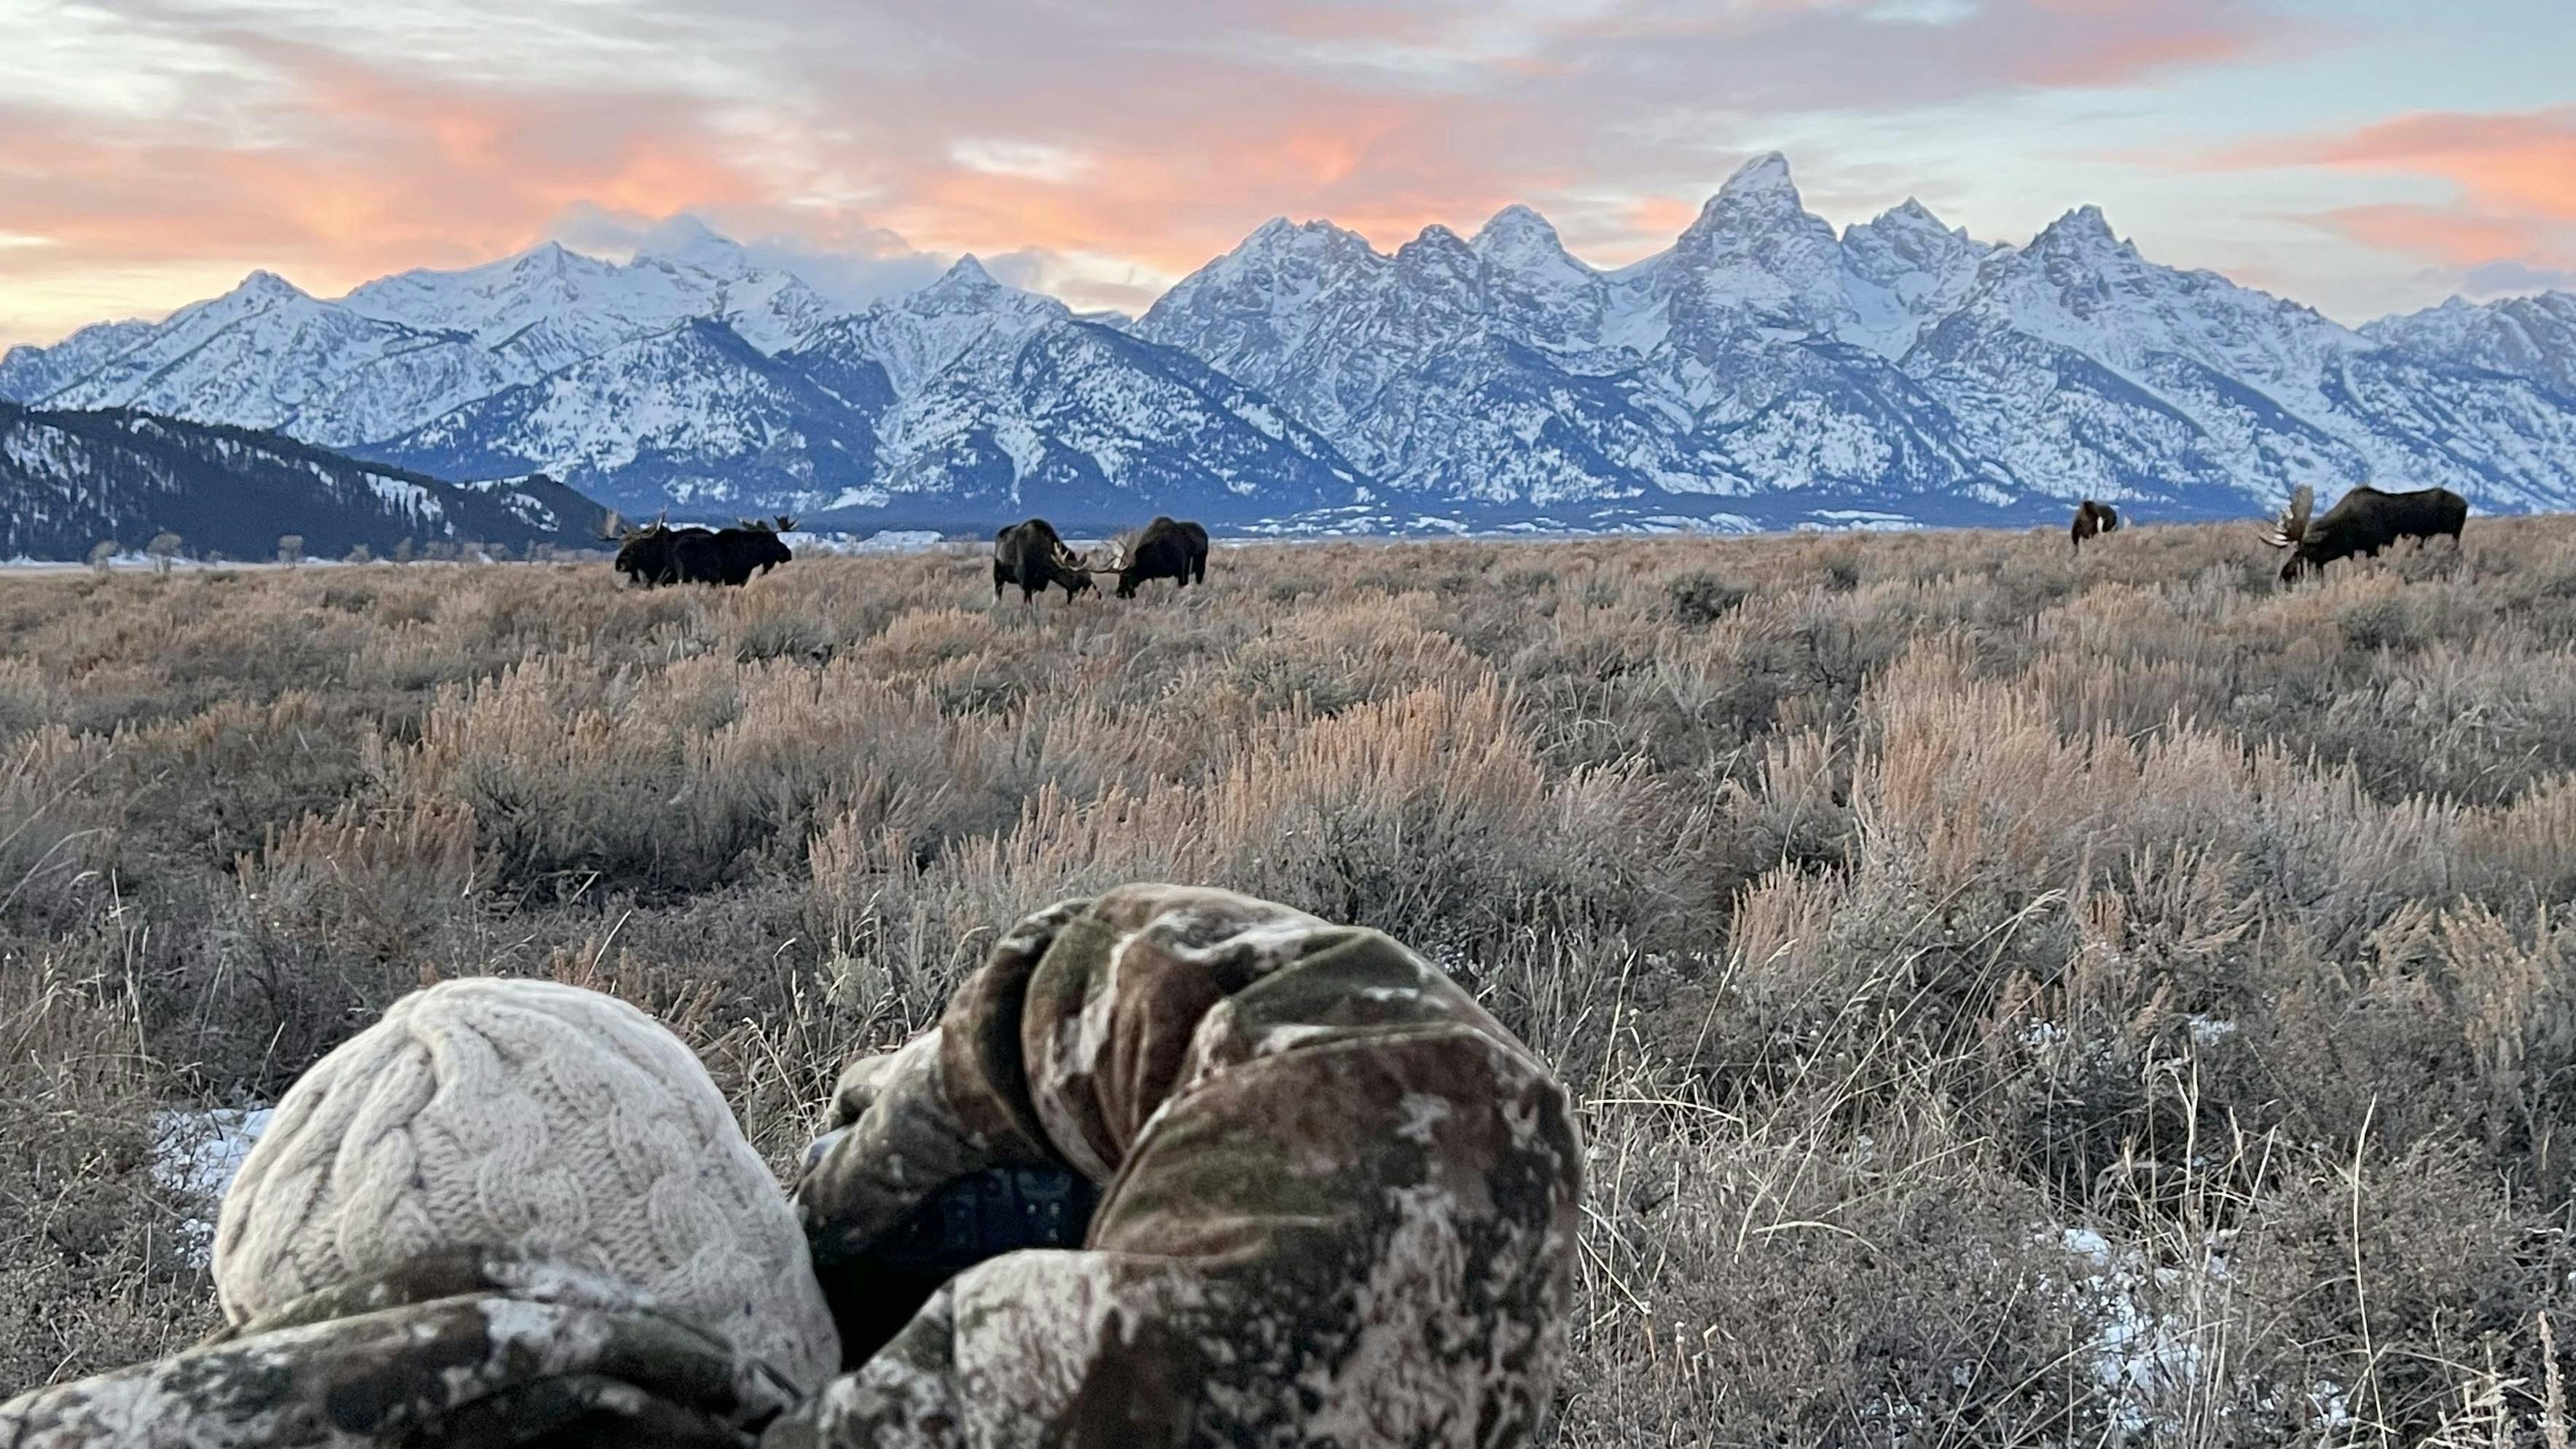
(497, 552)
(403, 551)
(100, 552)
(358, 554)
(438, 551)
(163, 548)
(290, 549)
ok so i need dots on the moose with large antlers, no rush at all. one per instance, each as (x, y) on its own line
(660, 554)
(2363, 521)
(1166, 548)
(1029, 554)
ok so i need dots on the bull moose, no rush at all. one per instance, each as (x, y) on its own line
(661, 554)
(2363, 521)
(1168, 548)
(2093, 518)
(644, 555)
(1029, 554)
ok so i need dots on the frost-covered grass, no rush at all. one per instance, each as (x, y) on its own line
(2015, 998)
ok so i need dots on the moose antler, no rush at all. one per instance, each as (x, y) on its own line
(1116, 552)
(785, 523)
(2294, 519)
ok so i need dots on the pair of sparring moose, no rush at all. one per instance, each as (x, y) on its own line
(1031, 555)
(2363, 521)
(660, 554)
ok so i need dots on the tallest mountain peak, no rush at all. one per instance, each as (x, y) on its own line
(1760, 190)
(1765, 176)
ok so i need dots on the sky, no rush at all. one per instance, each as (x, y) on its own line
(2363, 156)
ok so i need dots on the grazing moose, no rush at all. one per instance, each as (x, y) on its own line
(1166, 549)
(1029, 554)
(2363, 521)
(2093, 518)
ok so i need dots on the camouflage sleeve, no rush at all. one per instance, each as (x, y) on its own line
(457, 1349)
(1340, 1200)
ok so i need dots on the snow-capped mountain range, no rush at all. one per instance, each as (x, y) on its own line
(1763, 370)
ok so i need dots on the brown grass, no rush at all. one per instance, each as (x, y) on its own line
(2016, 999)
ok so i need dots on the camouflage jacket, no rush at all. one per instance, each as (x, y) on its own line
(452, 1349)
(1339, 1206)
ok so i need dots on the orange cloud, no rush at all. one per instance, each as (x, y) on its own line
(2434, 232)
(400, 173)
(353, 141)
(2514, 174)
(1661, 216)
(2521, 161)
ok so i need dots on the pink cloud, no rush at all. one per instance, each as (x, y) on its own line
(2514, 174)
(1153, 130)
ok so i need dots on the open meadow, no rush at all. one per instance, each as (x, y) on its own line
(2015, 998)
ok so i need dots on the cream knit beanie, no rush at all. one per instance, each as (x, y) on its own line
(531, 1116)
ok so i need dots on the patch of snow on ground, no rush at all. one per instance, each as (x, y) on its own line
(196, 1151)
(2150, 1360)
(2209, 1031)
(885, 540)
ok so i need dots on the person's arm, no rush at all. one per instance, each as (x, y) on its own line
(455, 1349)
(953, 1101)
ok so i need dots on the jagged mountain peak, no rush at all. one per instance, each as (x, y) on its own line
(1908, 217)
(1280, 237)
(2084, 228)
(2531, 337)
(967, 289)
(1761, 186)
(1757, 220)
(1517, 226)
(265, 285)
(1518, 239)
(1438, 239)
(965, 278)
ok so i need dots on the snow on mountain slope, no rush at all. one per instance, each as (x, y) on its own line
(266, 355)
(1903, 272)
(1003, 401)
(1542, 297)
(963, 319)
(2084, 368)
(1457, 370)
(548, 308)
(695, 418)
(29, 373)
(69, 480)
(2528, 337)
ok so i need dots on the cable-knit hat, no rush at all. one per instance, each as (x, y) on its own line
(536, 1117)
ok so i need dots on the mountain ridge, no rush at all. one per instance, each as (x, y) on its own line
(70, 480)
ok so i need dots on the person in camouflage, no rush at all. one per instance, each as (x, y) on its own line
(1338, 1207)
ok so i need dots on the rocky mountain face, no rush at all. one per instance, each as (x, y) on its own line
(2526, 337)
(1764, 369)
(72, 480)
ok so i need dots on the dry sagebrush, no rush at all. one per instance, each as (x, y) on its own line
(2016, 999)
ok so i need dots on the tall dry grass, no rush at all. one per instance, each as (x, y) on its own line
(2015, 999)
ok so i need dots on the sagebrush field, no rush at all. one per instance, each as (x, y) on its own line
(2015, 998)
